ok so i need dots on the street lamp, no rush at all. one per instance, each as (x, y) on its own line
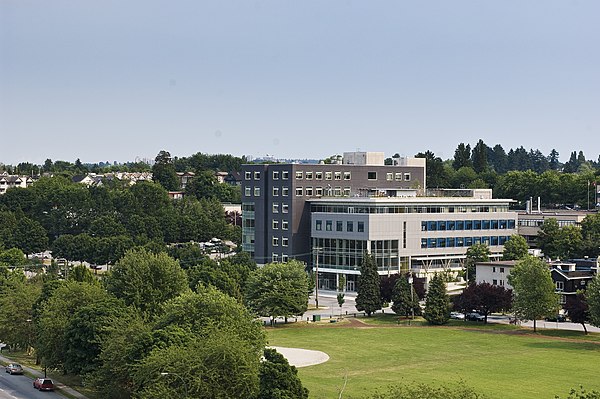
(164, 373)
(412, 305)
(317, 249)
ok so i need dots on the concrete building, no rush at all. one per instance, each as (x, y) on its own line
(495, 273)
(275, 207)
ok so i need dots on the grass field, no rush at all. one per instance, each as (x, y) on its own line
(500, 362)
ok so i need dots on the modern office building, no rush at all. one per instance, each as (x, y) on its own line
(275, 209)
(332, 214)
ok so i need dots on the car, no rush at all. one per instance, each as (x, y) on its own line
(558, 318)
(474, 316)
(14, 368)
(43, 384)
(457, 315)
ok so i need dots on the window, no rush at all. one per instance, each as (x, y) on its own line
(328, 225)
(398, 176)
(299, 175)
(275, 241)
(389, 176)
(339, 226)
(275, 175)
(284, 258)
(337, 175)
(285, 174)
(284, 191)
(494, 282)
(275, 258)
(298, 191)
(256, 175)
(319, 191)
(337, 192)
(328, 175)
(346, 191)
(347, 176)
(319, 175)
(284, 241)
(248, 175)
(257, 191)
(309, 191)
(275, 208)
(350, 226)
(284, 224)
(372, 175)
(308, 175)
(275, 191)
(248, 191)
(275, 224)
(407, 177)
(494, 269)
(563, 299)
(560, 286)
(319, 225)
(502, 283)
(501, 270)
(361, 227)
(284, 208)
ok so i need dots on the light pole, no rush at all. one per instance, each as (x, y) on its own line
(164, 373)
(317, 249)
(412, 300)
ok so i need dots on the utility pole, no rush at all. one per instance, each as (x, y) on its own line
(317, 249)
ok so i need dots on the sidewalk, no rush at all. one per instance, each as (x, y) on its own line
(36, 373)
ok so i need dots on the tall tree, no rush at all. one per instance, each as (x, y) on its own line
(515, 248)
(578, 309)
(479, 156)
(405, 301)
(436, 175)
(534, 291)
(462, 156)
(278, 379)
(498, 159)
(592, 295)
(163, 171)
(553, 160)
(368, 298)
(547, 237)
(437, 303)
(278, 289)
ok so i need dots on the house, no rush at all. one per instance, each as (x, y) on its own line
(221, 176)
(10, 181)
(495, 273)
(568, 279)
(234, 178)
(176, 195)
(185, 178)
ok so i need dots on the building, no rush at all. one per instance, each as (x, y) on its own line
(495, 273)
(275, 208)
(329, 215)
(531, 221)
(11, 181)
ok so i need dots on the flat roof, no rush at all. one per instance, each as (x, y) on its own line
(408, 200)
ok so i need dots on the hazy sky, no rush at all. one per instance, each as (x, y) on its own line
(115, 80)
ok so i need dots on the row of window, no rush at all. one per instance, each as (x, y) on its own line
(276, 258)
(284, 241)
(248, 191)
(443, 225)
(339, 226)
(285, 208)
(284, 224)
(329, 208)
(337, 175)
(540, 222)
(452, 242)
(301, 175)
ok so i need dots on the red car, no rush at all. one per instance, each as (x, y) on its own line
(43, 384)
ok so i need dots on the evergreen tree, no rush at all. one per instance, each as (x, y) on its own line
(553, 160)
(462, 156)
(404, 300)
(479, 157)
(497, 158)
(163, 171)
(279, 380)
(437, 303)
(368, 298)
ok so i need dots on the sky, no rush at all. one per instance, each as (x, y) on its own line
(122, 80)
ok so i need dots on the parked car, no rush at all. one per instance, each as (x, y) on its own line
(14, 368)
(474, 316)
(559, 318)
(457, 315)
(43, 384)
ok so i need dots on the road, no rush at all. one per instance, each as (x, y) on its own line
(20, 387)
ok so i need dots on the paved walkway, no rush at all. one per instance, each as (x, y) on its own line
(36, 373)
(302, 357)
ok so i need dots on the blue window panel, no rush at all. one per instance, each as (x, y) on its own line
(468, 241)
(441, 242)
(450, 225)
(502, 240)
(441, 225)
(511, 224)
(460, 242)
(450, 242)
(423, 226)
(503, 224)
(476, 224)
(485, 224)
(468, 225)
(485, 240)
(460, 225)
(431, 243)
(476, 240)
(494, 225)
(431, 226)
(423, 242)
(494, 240)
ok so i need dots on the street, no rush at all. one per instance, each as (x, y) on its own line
(21, 387)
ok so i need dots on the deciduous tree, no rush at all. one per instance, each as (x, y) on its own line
(515, 248)
(484, 298)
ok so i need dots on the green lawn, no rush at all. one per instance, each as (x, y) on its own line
(501, 364)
